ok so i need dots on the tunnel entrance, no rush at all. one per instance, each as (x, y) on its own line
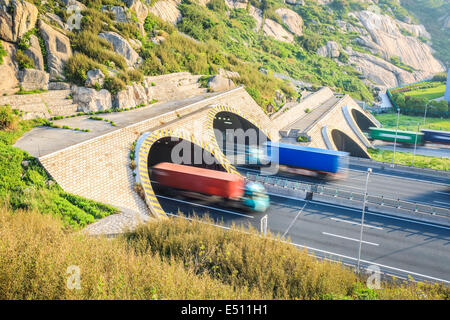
(362, 121)
(180, 151)
(234, 133)
(344, 143)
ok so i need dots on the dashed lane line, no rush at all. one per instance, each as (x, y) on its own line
(356, 223)
(347, 238)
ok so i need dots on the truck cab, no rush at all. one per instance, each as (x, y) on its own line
(255, 197)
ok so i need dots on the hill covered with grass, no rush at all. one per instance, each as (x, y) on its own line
(173, 259)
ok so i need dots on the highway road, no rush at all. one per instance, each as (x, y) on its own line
(397, 246)
(432, 151)
(435, 193)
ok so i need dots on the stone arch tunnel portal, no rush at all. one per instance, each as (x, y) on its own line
(344, 143)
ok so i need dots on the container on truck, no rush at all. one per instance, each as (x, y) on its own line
(228, 186)
(299, 159)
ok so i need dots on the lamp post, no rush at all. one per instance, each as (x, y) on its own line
(395, 140)
(415, 145)
(425, 115)
(369, 171)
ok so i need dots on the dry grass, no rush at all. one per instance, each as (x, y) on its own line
(172, 259)
(274, 268)
(35, 252)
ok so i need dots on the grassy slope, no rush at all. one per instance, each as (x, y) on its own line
(406, 159)
(429, 93)
(26, 185)
(428, 12)
(409, 123)
(195, 261)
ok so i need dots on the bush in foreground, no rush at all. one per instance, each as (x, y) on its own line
(273, 268)
(36, 252)
(171, 259)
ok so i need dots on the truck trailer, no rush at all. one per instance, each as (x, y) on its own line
(299, 159)
(231, 187)
(405, 137)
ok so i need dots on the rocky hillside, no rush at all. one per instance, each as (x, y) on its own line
(106, 47)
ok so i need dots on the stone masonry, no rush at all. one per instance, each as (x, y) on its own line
(99, 169)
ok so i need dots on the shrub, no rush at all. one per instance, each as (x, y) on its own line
(3, 53)
(114, 84)
(8, 119)
(77, 67)
(24, 61)
(135, 75)
(440, 77)
(98, 49)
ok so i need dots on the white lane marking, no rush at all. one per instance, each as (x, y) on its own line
(359, 210)
(446, 203)
(208, 207)
(368, 262)
(356, 223)
(441, 192)
(329, 253)
(295, 219)
(347, 238)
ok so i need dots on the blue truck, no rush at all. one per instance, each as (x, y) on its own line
(436, 136)
(298, 159)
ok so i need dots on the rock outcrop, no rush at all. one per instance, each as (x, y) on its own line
(330, 50)
(380, 71)
(17, 17)
(132, 96)
(385, 37)
(236, 4)
(120, 13)
(58, 50)
(91, 100)
(219, 83)
(167, 10)
(295, 2)
(8, 69)
(257, 15)
(32, 79)
(95, 78)
(122, 47)
(292, 20)
(35, 53)
(139, 8)
(276, 30)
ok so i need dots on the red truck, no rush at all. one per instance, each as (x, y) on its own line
(211, 182)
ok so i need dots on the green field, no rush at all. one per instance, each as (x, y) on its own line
(409, 123)
(429, 93)
(406, 159)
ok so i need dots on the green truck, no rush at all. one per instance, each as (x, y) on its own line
(405, 137)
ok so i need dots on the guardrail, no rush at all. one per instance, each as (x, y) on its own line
(390, 166)
(349, 195)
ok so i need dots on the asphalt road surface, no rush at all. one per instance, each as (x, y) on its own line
(426, 191)
(397, 246)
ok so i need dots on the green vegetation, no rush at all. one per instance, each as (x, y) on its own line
(22, 91)
(406, 159)
(409, 123)
(428, 12)
(36, 252)
(397, 62)
(24, 61)
(264, 264)
(25, 184)
(198, 261)
(413, 99)
(103, 119)
(3, 53)
(428, 93)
